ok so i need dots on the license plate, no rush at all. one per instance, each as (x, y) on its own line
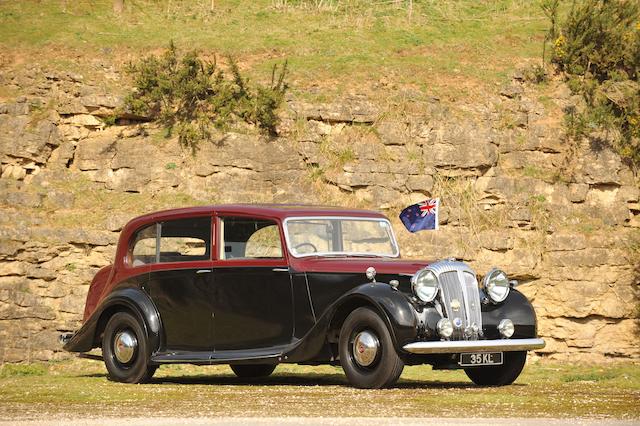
(483, 358)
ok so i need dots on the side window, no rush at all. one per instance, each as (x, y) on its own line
(246, 238)
(143, 246)
(185, 240)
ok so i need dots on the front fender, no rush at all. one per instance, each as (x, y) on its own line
(392, 305)
(397, 311)
(518, 309)
(132, 299)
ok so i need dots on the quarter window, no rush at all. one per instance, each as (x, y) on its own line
(248, 238)
(143, 247)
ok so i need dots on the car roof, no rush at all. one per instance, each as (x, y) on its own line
(281, 211)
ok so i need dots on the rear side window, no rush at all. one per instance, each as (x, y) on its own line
(143, 246)
(183, 240)
(248, 238)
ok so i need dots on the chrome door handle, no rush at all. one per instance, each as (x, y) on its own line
(203, 271)
(280, 269)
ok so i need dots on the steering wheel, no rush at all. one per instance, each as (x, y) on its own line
(314, 248)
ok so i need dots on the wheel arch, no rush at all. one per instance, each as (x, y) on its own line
(131, 300)
(392, 306)
(345, 308)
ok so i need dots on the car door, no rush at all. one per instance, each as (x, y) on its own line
(252, 299)
(180, 283)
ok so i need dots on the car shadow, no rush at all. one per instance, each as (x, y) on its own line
(302, 380)
(293, 380)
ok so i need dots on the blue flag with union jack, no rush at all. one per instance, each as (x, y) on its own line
(423, 215)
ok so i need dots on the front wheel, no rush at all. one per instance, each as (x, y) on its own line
(367, 354)
(499, 375)
(124, 349)
(251, 371)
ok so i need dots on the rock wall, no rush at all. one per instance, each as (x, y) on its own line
(562, 218)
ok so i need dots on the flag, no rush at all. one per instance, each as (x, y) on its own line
(423, 215)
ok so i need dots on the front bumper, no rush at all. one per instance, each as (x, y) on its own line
(457, 346)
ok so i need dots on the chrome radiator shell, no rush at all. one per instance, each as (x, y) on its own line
(460, 297)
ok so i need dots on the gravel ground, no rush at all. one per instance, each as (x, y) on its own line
(320, 421)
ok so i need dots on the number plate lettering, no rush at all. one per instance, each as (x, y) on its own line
(481, 358)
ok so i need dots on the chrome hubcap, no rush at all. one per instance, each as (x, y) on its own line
(365, 348)
(124, 346)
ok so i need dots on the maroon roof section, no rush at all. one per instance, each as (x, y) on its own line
(280, 211)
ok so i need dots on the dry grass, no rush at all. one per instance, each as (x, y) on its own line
(452, 48)
(49, 391)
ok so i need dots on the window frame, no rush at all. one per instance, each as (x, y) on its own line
(270, 261)
(212, 242)
(132, 243)
(341, 253)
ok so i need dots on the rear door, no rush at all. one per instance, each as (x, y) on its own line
(180, 283)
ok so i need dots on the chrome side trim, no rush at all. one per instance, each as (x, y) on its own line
(456, 346)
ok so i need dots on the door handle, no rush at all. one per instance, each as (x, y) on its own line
(203, 271)
(280, 269)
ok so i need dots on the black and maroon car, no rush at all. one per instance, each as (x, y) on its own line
(257, 285)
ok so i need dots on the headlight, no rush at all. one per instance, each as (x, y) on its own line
(496, 284)
(425, 285)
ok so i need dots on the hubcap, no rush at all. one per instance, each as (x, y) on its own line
(124, 346)
(365, 348)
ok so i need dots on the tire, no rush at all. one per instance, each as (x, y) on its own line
(137, 368)
(251, 371)
(383, 368)
(499, 375)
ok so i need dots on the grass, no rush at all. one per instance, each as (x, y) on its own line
(543, 390)
(452, 46)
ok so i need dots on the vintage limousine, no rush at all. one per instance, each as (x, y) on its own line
(253, 286)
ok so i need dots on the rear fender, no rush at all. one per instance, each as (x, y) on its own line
(124, 299)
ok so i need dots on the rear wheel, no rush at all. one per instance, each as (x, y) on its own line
(249, 371)
(367, 354)
(124, 349)
(499, 375)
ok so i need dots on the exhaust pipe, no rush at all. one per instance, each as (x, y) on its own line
(64, 338)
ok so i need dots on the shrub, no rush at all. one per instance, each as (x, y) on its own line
(190, 95)
(598, 49)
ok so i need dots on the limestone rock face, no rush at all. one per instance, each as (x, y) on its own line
(564, 221)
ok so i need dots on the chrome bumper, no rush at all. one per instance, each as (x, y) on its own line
(457, 346)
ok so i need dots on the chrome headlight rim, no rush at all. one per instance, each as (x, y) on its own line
(496, 285)
(424, 285)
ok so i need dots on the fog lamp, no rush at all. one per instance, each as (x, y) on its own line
(445, 328)
(506, 329)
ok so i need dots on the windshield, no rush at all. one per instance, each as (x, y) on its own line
(326, 236)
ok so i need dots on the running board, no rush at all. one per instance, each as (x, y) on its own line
(220, 357)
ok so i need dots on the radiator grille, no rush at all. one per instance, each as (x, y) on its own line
(462, 303)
